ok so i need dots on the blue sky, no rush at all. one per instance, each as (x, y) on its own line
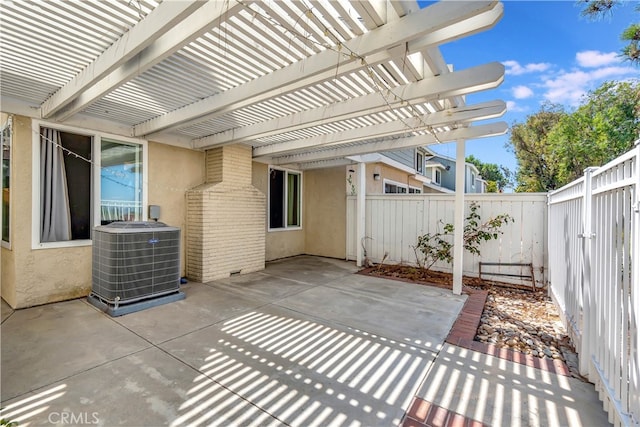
(550, 53)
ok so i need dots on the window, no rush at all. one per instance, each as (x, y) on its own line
(120, 181)
(5, 142)
(392, 187)
(285, 203)
(473, 180)
(82, 180)
(420, 162)
(414, 190)
(438, 176)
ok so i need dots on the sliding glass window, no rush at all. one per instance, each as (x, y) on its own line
(285, 203)
(5, 142)
(86, 180)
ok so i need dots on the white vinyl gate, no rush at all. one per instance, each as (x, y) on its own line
(393, 223)
(594, 276)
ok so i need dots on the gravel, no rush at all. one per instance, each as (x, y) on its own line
(526, 321)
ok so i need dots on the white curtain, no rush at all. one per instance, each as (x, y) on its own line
(54, 197)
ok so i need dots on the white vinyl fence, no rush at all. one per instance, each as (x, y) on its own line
(594, 276)
(393, 223)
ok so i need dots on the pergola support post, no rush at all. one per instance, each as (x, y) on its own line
(361, 170)
(458, 221)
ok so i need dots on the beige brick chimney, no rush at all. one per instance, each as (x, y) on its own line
(225, 218)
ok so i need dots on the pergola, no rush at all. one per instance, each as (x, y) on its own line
(307, 84)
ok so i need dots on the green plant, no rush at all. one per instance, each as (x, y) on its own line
(352, 186)
(476, 232)
(8, 423)
(431, 248)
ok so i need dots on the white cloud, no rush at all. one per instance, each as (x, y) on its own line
(595, 58)
(514, 68)
(515, 108)
(521, 92)
(569, 87)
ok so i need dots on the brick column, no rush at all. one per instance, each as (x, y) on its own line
(225, 218)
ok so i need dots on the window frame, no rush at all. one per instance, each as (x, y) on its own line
(421, 169)
(9, 124)
(437, 181)
(96, 160)
(285, 207)
(396, 183)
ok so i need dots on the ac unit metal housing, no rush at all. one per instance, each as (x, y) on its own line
(136, 265)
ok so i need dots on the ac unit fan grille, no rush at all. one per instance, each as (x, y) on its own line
(132, 262)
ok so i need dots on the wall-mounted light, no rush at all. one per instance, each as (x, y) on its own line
(376, 176)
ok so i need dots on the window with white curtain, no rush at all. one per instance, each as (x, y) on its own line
(85, 179)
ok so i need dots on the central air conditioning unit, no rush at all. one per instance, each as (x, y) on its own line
(136, 265)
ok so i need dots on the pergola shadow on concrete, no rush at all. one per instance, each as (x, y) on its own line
(255, 349)
(260, 349)
(303, 85)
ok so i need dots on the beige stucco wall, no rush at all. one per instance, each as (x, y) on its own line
(32, 277)
(325, 212)
(173, 170)
(280, 243)
(38, 276)
(387, 172)
(323, 229)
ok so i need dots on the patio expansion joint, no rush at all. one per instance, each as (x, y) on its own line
(177, 359)
(75, 374)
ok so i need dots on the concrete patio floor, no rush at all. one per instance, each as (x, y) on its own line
(304, 342)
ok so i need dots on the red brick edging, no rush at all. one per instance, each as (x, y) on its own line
(465, 327)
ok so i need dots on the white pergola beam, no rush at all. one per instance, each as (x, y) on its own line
(322, 164)
(436, 63)
(184, 32)
(158, 22)
(473, 132)
(372, 12)
(474, 24)
(451, 117)
(325, 64)
(462, 82)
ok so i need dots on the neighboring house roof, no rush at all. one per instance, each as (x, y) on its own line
(438, 188)
(434, 164)
(301, 92)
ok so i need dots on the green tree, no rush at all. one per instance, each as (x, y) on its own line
(537, 161)
(631, 35)
(600, 130)
(553, 147)
(498, 177)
